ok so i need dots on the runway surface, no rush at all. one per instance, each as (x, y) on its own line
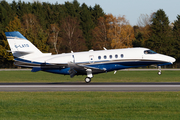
(141, 87)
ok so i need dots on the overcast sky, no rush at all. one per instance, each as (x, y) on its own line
(132, 9)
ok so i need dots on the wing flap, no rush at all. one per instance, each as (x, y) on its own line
(83, 69)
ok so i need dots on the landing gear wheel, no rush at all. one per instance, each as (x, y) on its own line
(87, 79)
(159, 73)
(159, 68)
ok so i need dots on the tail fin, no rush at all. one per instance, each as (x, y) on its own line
(20, 46)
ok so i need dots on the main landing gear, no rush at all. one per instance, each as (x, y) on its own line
(159, 72)
(87, 79)
(89, 76)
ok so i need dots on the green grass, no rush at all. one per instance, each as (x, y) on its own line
(90, 105)
(120, 76)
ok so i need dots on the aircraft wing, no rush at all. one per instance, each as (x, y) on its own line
(78, 68)
(74, 68)
(40, 67)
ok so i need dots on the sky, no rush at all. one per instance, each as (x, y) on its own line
(132, 9)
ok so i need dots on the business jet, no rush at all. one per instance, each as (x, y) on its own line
(82, 63)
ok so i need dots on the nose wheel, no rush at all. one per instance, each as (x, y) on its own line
(159, 73)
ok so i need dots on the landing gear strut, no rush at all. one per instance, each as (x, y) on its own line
(159, 72)
(89, 76)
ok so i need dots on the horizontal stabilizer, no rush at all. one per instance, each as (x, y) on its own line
(8, 50)
(21, 53)
(36, 69)
(24, 52)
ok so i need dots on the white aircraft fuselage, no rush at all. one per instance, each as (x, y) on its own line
(82, 63)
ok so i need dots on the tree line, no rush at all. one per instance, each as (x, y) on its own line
(61, 28)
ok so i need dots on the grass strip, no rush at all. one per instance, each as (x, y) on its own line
(89, 105)
(120, 76)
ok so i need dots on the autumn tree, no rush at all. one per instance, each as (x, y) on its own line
(6, 57)
(72, 35)
(100, 35)
(14, 25)
(34, 32)
(120, 32)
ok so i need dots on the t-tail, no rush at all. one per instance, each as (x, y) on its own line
(20, 46)
(22, 49)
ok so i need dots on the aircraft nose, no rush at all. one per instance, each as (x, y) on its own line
(171, 59)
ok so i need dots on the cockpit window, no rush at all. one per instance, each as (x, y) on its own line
(149, 52)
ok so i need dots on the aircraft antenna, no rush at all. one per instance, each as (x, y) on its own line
(104, 48)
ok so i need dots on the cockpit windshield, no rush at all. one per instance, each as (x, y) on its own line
(149, 52)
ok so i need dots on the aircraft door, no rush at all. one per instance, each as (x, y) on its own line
(91, 58)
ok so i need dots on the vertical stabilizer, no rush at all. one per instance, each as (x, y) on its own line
(20, 46)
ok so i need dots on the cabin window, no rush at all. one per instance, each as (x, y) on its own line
(110, 56)
(99, 57)
(116, 56)
(149, 52)
(122, 55)
(105, 57)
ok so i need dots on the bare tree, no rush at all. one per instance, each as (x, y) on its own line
(54, 36)
(100, 35)
(144, 23)
(144, 20)
(72, 34)
(29, 21)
